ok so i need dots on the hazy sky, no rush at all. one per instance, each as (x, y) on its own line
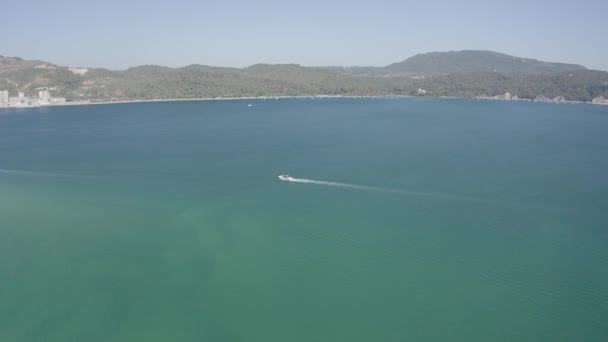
(118, 34)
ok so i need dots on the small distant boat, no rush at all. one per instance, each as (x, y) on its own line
(286, 178)
(250, 105)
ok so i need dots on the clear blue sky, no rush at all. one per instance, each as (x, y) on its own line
(118, 34)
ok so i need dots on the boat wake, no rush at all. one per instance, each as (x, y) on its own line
(436, 195)
(339, 185)
(51, 174)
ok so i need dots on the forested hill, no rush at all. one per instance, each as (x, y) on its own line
(193, 81)
(461, 62)
(472, 61)
(535, 79)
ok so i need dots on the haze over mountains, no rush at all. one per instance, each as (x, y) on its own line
(465, 73)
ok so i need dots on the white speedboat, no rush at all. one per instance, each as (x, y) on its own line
(286, 178)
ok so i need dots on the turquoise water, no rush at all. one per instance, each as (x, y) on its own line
(467, 221)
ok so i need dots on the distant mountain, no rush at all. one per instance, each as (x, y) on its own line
(469, 61)
(461, 62)
(459, 74)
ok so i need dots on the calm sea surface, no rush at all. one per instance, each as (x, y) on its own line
(455, 220)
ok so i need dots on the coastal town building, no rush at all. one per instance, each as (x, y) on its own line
(44, 96)
(3, 98)
(15, 101)
(21, 100)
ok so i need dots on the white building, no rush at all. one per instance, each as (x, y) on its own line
(44, 96)
(4, 98)
(15, 101)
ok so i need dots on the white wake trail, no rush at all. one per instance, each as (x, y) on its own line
(340, 185)
(436, 195)
(34, 173)
(50, 174)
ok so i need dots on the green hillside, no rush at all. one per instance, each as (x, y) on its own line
(471, 61)
(522, 77)
(460, 62)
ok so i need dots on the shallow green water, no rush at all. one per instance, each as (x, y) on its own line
(165, 221)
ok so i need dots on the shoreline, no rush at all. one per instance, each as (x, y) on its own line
(87, 103)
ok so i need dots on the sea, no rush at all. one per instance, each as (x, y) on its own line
(409, 219)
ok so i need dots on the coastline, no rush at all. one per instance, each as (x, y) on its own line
(87, 103)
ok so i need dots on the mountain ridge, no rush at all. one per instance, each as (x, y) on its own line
(467, 61)
(459, 62)
(424, 75)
